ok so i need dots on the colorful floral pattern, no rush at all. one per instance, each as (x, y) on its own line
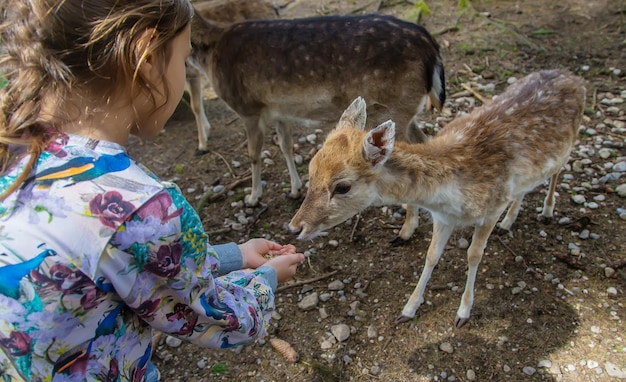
(94, 253)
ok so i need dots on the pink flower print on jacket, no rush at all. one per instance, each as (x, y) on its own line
(158, 207)
(18, 343)
(166, 262)
(110, 208)
(56, 145)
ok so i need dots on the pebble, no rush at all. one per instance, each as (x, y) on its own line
(173, 342)
(336, 285)
(446, 347)
(621, 190)
(609, 272)
(309, 302)
(614, 371)
(611, 291)
(470, 375)
(462, 243)
(545, 363)
(340, 331)
(372, 332)
(579, 199)
(323, 313)
(529, 370)
(325, 297)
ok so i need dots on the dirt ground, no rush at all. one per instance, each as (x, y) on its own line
(549, 302)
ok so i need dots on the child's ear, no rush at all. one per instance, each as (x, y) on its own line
(145, 59)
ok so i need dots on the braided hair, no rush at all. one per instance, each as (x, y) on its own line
(51, 49)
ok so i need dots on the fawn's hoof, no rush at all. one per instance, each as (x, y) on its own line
(500, 231)
(544, 219)
(398, 241)
(249, 202)
(200, 152)
(459, 321)
(401, 319)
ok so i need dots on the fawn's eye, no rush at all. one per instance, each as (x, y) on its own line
(342, 188)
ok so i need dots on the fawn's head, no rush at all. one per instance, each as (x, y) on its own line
(343, 174)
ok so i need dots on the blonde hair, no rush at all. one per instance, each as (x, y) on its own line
(51, 49)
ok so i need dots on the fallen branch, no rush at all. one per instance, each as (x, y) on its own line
(230, 170)
(211, 196)
(475, 93)
(304, 282)
(356, 223)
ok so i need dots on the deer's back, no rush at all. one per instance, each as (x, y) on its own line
(322, 59)
(515, 142)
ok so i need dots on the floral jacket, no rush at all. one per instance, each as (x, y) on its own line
(95, 252)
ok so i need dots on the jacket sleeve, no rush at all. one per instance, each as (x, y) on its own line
(161, 264)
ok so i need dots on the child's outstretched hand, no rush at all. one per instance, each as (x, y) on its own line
(256, 252)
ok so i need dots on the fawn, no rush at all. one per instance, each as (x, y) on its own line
(280, 72)
(466, 175)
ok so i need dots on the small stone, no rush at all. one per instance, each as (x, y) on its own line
(529, 370)
(173, 342)
(545, 363)
(372, 332)
(614, 371)
(470, 375)
(462, 243)
(309, 302)
(621, 190)
(336, 285)
(323, 313)
(592, 364)
(446, 347)
(375, 370)
(611, 291)
(341, 332)
(609, 272)
(578, 199)
(333, 243)
(564, 221)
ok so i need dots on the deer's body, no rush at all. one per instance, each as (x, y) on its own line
(466, 175)
(280, 72)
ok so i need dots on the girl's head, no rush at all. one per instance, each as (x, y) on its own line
(54, 52)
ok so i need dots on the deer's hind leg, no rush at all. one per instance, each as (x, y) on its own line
(194, 85)
(511, 213)
(255, 131)
(285, 141)
(548, 203)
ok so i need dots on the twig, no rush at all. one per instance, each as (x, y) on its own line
(475, 93)
(211, 196)
(256, 218)
(230, 170)
(356, 223)
(304, 282)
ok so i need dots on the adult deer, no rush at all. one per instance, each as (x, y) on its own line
(466, 175)
(280, 72)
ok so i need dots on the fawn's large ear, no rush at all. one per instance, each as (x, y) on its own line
(378, 144)
(354, 116)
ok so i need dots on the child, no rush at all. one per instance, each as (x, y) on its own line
(95, 251)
